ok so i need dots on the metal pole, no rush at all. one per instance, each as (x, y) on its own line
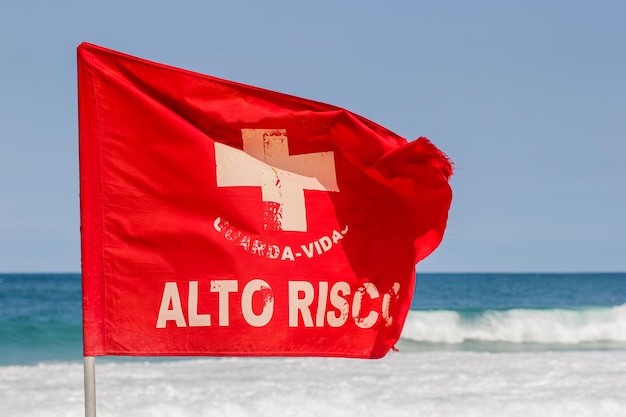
(90, 386)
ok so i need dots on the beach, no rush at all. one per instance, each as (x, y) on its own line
(473, 348)
(457, 383)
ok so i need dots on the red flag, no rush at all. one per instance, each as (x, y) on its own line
(223, 219)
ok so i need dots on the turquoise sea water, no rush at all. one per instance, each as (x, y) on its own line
(40, 314)
(505, 345)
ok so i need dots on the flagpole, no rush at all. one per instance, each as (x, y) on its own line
(90, 386)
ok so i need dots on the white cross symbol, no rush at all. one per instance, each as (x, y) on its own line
(265, 162)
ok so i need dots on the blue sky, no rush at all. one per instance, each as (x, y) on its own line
(527, 97)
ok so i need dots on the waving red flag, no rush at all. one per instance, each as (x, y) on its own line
(223, 219)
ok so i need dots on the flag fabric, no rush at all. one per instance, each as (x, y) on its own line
(223, 219)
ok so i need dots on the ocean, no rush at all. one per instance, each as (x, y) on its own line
(473, 345)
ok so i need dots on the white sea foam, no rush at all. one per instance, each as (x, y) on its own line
(434, 384)
(555, 326)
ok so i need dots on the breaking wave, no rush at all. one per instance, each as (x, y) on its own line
(542, 326)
